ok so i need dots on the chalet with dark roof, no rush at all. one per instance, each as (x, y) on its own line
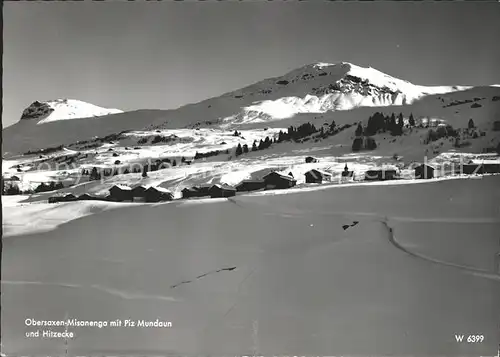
(158, 194)
(220, 190)
(196, 191)
(311, 159)
(276, 180)
(424, 171)
(139, 193)
(380, 174)
(250, 185)
(119, 193)
(472, 169)
(317, 176)
(189, 192)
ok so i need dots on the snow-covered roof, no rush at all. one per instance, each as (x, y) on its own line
(426, 164)
(275, 173)
(159, 189)
(251, 180)
(134, 187)
(384, 168)
(222, 186)
(324, 173)
(485, 161)
(122, 187)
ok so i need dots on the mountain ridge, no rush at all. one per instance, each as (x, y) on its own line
(317, 88)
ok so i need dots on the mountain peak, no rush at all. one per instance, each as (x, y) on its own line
(61, 109)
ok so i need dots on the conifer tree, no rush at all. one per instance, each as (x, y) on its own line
(93, 174)
(359, 130)
(411, 121)
(471, 124)
(239, 150)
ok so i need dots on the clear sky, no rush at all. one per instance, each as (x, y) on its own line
(135, 55)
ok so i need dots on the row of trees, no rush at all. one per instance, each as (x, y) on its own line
(302, 132)
(13, 189)
(202, 155)
(297, 133)
(51, 186)
(263, 144)
(158, 139)
(379, 122)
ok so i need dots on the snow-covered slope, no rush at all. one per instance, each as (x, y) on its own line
(323, 87)
(301, 284)
(63, 109)
(316, 88)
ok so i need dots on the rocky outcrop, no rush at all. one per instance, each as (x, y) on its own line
(37, 110)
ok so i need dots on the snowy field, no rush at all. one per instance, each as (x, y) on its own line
(377, 268)
(265, 274)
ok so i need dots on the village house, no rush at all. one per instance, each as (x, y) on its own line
(483, 167)
(138, 193)
(317, 176)
(250, 185)
(222, 191)
(202, 191)
(189, 192)
(311, 159)
(424, 171)
(119, 193)
(158, 194)
(380, 175)
(196, 191)
(470, 169)
(491, 168)
(275, 180)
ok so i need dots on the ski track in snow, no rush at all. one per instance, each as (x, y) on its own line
(391, 237)
(477, 272)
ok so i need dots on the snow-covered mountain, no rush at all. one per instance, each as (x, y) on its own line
(63, 109)
(317, 94)
(312, 89)
(322, 87)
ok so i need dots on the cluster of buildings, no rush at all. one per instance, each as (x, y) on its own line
(121, 193)
(273, 180)
(140, 193)
(480, 168)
